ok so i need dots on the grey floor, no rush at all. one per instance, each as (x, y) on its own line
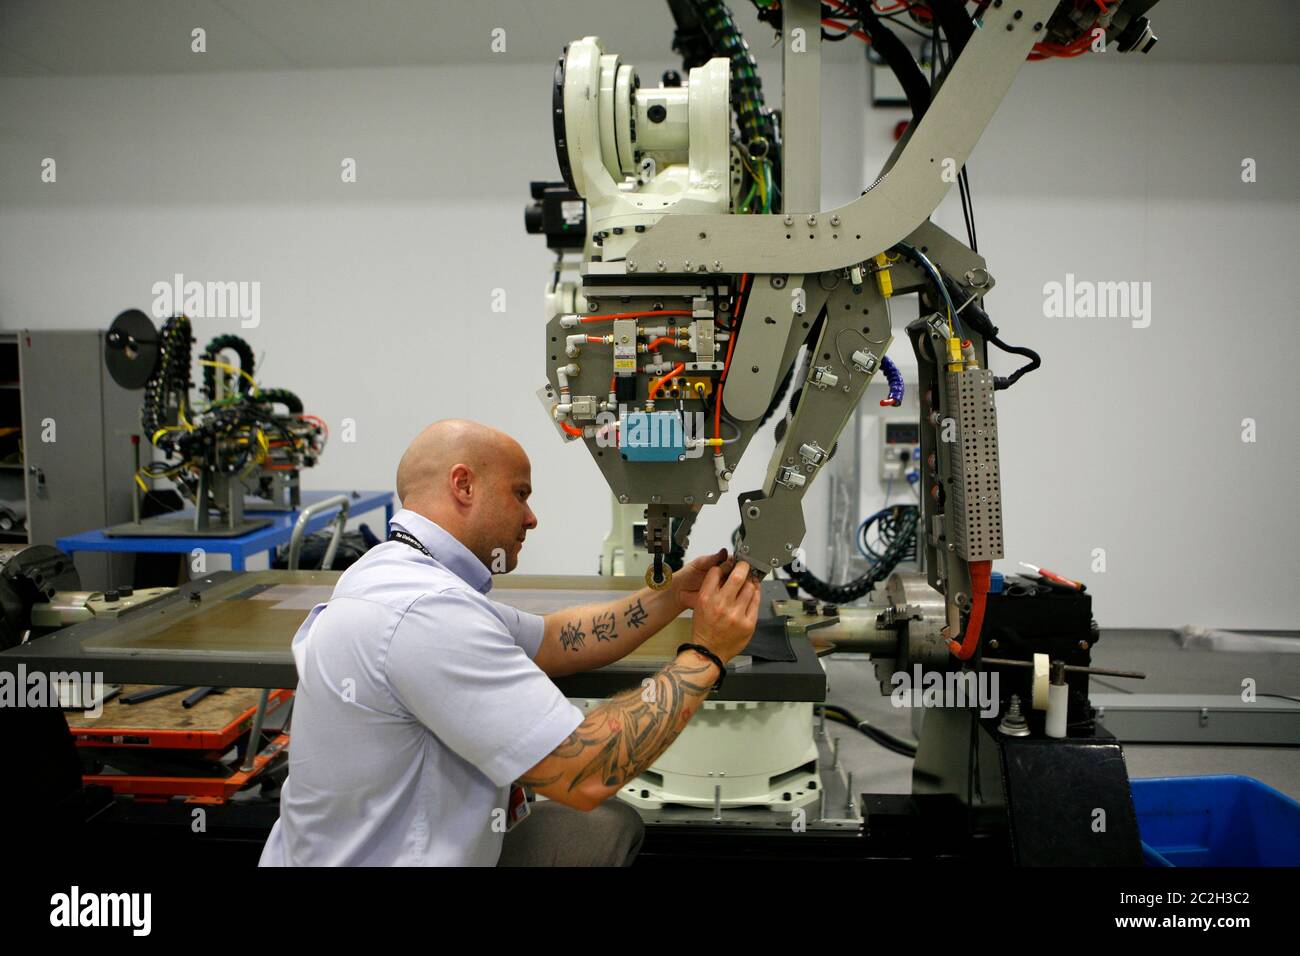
(1171, 669)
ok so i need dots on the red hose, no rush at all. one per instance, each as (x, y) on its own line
(980, 571)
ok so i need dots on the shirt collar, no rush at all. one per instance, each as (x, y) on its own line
(446, 550)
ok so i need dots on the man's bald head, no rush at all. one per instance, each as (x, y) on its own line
(474, 481)
(425, 468)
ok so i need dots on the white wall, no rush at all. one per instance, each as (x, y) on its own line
(1130, 439)
(376, 296)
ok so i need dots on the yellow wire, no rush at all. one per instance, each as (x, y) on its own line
(761, 180)
(226, 366)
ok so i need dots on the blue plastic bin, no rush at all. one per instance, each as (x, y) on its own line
(1222, 820)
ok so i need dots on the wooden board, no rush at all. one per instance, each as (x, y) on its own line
(214, 713)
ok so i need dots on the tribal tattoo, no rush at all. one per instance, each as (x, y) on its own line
(625, 735)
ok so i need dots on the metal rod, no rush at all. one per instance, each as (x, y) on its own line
(255, 735)
(342, 502)
(1072, 668)
(135, 484)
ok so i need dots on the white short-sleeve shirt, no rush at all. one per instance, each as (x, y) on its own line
(418, 704)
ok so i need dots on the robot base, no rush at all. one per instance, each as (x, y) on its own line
(733, 754)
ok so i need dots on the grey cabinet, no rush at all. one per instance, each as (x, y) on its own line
(77, 427)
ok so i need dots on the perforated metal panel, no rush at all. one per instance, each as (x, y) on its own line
(976, 492)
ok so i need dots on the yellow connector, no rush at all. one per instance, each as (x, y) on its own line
(883, 282)
(955, 363)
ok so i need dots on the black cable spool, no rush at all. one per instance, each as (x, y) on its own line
(131, 349)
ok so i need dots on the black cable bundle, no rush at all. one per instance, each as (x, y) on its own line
(282, 396)
(904, 748)
(899, 59)
(757, 125)
(171, 376)
(246, 362)
(846, 593)
(889, 522)
(977, 319)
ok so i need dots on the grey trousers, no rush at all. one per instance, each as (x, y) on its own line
(556, 835)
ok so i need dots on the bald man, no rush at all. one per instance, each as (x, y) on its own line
(424, 708)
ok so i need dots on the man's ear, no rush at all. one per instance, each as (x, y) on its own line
(461, 481)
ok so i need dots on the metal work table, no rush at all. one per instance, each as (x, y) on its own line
(231, 629)
(240, 547)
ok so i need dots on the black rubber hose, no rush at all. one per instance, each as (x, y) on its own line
(899, 59)
(1035, 361)
(905, 748)
(954, 22)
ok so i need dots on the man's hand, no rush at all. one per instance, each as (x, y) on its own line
(727, 610)
(686, 583)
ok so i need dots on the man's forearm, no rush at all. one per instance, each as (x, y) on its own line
(584, 638)
(626, 734)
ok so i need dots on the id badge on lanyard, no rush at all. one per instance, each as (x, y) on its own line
(517, 808)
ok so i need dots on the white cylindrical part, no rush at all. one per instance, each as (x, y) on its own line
(1058, 705)
(667, 137)
(1041, 681)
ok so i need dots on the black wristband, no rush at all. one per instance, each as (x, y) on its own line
(701, 649)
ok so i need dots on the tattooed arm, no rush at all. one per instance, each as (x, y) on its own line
(584, 638)
(624, 735)
(627, 733)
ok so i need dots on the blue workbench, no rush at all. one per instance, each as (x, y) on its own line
(240, 548)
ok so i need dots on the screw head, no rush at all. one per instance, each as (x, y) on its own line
(812, 220)
(661, 266)
(835, 220)
(622, 499)
(709, 495)
(789, 220)
(631, 267)
(689, 499)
